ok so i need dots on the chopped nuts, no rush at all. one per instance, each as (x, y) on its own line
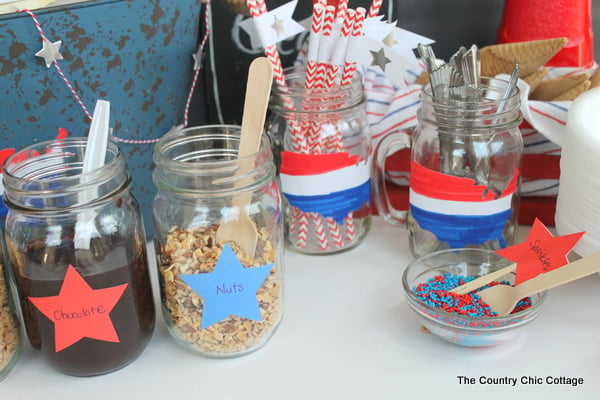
(194, 251)
(9, 328)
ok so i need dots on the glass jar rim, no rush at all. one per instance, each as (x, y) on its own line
(494, 86)
(490, 113)
(295, 97)
(53, 168)
(221, 169)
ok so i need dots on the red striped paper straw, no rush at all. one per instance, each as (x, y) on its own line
(342, 7)
(325, 46)
(257, 8)
(357, 27)
(313, 46)
(317, 220)
(339, 51)
(375, 7)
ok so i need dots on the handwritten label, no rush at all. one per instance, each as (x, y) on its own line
(84, 312)
(229, 289)
(79, 311)
(540, 252)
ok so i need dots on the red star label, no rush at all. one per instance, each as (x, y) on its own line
(79, 311)
(540, 252)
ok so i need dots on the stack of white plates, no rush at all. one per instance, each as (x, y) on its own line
(578, 203)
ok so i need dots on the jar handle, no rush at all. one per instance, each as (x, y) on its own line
(390, 144)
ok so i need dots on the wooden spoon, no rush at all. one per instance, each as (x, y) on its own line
(258, 88)
(484, 280)
(503, 298)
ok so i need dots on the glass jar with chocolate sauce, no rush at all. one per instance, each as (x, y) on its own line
(76, 244)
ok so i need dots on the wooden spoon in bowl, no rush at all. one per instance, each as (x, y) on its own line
(503, 298)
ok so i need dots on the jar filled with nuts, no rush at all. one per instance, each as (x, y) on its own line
(77, 247)
(10, 331)
(218, 236)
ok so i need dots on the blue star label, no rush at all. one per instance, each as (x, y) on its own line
(229, 289)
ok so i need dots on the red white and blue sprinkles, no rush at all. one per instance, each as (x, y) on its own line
(436, 293)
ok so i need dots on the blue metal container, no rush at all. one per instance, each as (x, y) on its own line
(135, 54)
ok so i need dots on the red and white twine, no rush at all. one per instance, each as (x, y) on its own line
(194, 82)
(38, 26)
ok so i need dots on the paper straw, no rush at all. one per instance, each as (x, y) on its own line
(375, 7)
(342, 8)
(257, 8)
(349, 224)
(313, 46)
(340, 49)
(335, 231)
(317, 220)
(325, 46)
(302, 230)
(299, 144)
(357, 27)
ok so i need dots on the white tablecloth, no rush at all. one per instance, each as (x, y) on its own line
(347, 333)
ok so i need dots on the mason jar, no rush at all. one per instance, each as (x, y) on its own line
(77, 248)
(323, 146)
(218, 236)
(465, 174)
(10, 328)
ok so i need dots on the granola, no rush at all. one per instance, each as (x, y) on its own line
(9, 327)
(196, 250)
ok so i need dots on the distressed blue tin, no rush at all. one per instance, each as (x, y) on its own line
(135, 54)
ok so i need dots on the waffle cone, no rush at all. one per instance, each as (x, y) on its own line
(533, 80)
(423, 78)
(595, 79)
(550, 89)
(500, 58)
(238, 6)
(572, 93)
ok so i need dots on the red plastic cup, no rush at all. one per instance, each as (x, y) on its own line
(525, 20)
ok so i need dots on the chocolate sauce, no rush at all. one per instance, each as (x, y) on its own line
(133, 316)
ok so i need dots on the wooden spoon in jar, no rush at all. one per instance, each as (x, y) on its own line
(258, 88)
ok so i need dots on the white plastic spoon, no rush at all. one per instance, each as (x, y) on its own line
(94, 157)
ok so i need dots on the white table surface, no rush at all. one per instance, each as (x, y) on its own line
(347, 333)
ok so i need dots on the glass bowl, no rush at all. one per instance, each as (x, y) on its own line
(462, 329)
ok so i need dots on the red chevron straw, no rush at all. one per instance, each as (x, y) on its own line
(357, 27)
(375, 7)
(299, 144)
(257, 8)
(342, 7)
(313, 45)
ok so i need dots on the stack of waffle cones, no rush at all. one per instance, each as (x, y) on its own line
(532, 56)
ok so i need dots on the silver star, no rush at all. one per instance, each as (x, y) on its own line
(50, 52)
(278, 26)
(379, 59)
(197, 58)
(389, 40)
